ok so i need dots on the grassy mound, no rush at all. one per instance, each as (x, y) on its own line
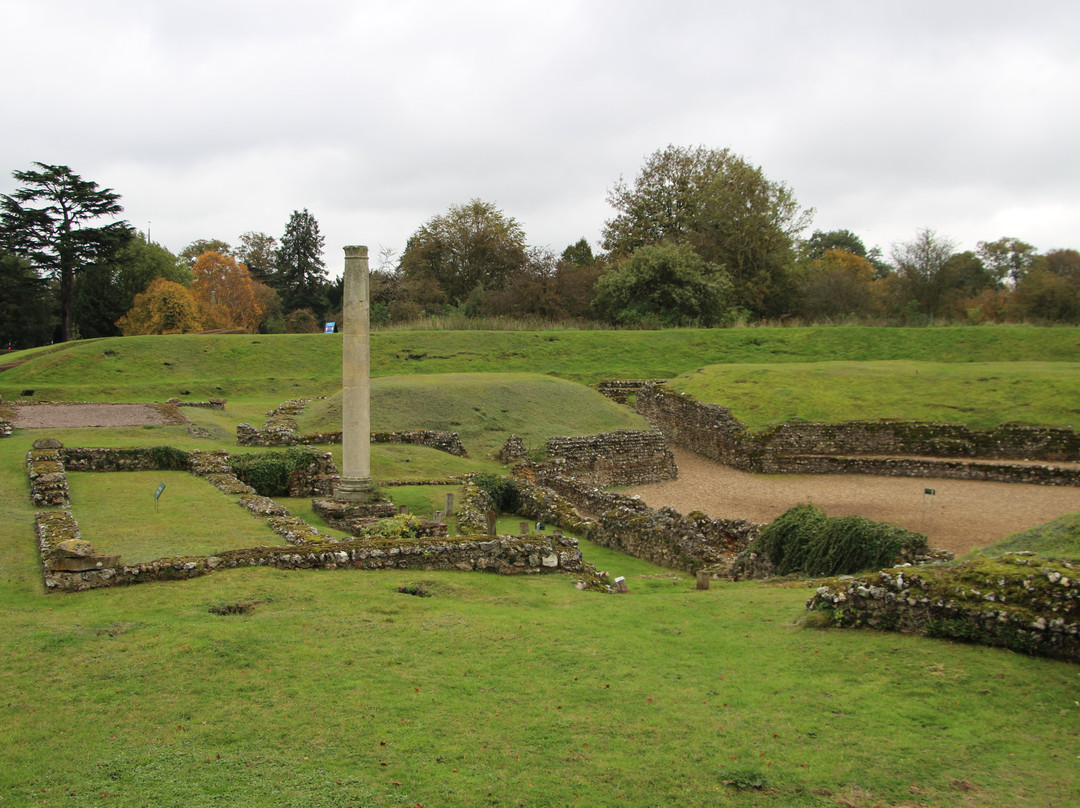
(483, 408)
(979, 394)
(1057, 539)
(280, 366)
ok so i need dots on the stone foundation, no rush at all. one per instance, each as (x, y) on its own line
(622, 457)
(281, 430)
(309, 549)
(894, 448)
(1017, 601)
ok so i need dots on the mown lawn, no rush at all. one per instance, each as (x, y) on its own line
(335, 688)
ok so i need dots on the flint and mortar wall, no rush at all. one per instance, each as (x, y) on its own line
(622, 457)
(624, 523)
(500, 554)
(713, 432)
(505, 555)
(1039, 616)
(620, 390)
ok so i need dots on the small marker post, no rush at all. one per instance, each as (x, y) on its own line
(157, 494)
(928, 504)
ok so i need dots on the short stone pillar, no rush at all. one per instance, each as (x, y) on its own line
(492, 522)
(703, 578)
(449, 504)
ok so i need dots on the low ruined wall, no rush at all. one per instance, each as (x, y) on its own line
(500, 554)
(283, 433)
(706, 429)
(620, 390)
(1004, 472)
(1008, 441)
(310, 549)
(1022, 602)
(713, 432)
(622, 457)
(212, 404)
(663, 536)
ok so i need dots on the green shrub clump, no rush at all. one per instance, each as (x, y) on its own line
(503, 491)
(804, 540)
(269, 473)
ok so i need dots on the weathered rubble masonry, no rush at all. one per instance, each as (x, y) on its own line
(622, 457)
(692, 542)
(890, 448)
(70, 564)
(280, 429)
(1017, 601)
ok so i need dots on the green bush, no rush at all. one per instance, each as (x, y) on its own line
(168, 458)
(804, 540)
(269, 472)
(503, 491)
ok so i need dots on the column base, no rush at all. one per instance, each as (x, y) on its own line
(355, 489)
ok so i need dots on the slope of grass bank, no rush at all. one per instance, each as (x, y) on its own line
(288, 365)
(979, 394)
(483, 408)
(1057, 539)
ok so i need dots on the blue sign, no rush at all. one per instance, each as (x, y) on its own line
(329, 328)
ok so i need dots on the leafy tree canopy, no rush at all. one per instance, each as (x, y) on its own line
(164, 308)
(190, 254)
(470, 247)
(301, 272)
(1007, 258)
(226, 293)
(26, 316)
(47, 222)
(664, 285)
(258, 251)
(723, 207)
(820, 242)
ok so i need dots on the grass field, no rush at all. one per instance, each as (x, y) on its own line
(979, 394)
(336, 689)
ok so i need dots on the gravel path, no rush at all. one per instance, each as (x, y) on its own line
(59, 416)
(961, 516)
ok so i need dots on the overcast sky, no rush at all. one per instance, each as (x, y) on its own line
(215, 118)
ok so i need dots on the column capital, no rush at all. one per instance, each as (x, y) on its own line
(356, 251)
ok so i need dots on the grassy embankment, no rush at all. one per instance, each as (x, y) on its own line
(335, 689)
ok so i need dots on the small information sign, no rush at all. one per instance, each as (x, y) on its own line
(160, 488)
(329, 328)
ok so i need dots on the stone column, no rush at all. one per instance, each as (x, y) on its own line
(355, 485)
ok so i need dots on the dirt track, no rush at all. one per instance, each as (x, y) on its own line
(57, 416)
(961, 516)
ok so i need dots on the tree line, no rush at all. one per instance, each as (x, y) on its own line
(700, 237)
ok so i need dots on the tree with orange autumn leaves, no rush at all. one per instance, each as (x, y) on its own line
(226, 294)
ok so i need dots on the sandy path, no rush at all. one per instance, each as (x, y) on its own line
(55, 416)
(960, 516)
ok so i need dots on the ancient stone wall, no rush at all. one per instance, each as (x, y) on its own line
(867, 447)
(620, 390)
(212, 404)
(500, 554)
(1025, 603)
(625, 523)
(622, 457)
(46, 468)
(1002, 471)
